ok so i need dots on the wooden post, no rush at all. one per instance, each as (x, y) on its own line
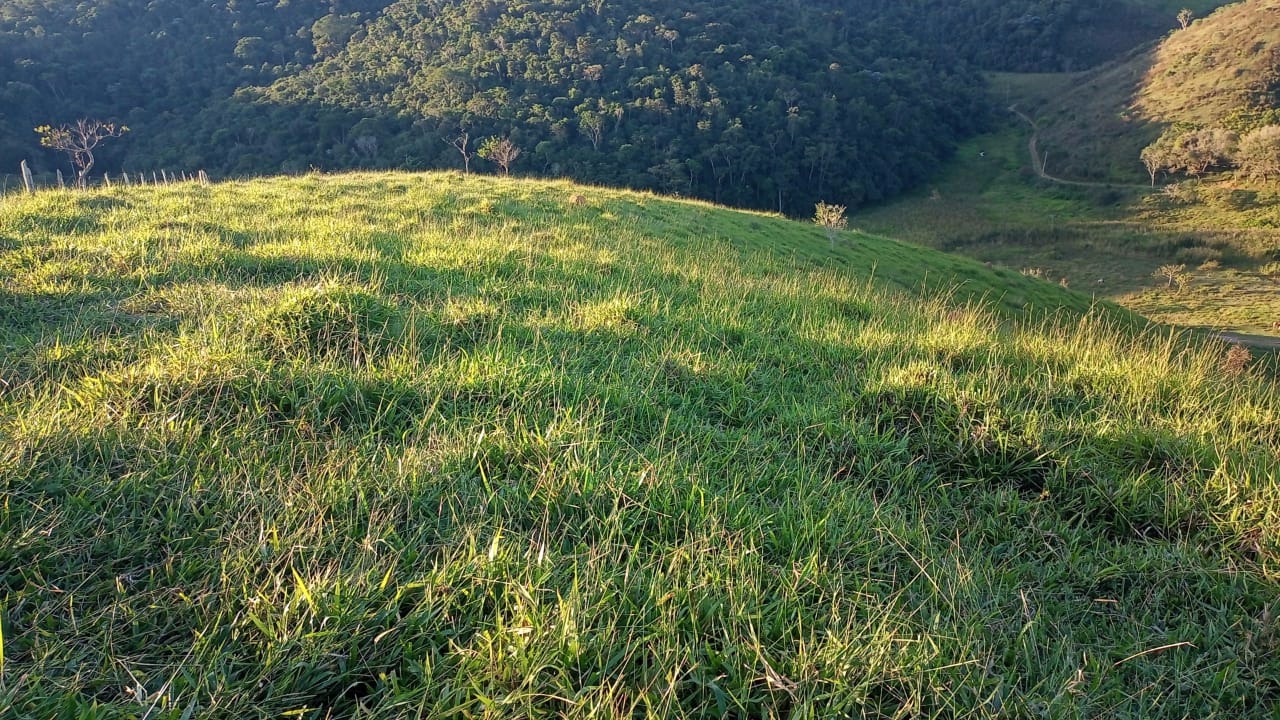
(204, 179)
(61, 184)
(154, 181)
(126, 179)
(26, 178)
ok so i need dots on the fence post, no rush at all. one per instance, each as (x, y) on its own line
(126, 179)
(61, 184)
(204, 179)
(26, 178)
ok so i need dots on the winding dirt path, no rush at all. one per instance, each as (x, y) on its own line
(1038, 164)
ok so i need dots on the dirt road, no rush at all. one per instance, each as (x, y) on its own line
(1038, 164)
(1261, 342)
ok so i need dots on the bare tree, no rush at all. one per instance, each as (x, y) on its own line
(592, 125)
(1185, 16)
(460, 144)
(501, 151)
(78, 142)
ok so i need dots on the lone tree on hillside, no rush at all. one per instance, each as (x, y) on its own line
(1163, 154)
(830, 218)
(1156, 157)
(501, 151)
(1185, 16)
(78, 142)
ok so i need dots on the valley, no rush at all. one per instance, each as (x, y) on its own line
(1104, 239)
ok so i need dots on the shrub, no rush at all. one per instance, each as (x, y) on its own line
(1240, 200)
(1198, 255)
(1182, 193)
(1105, 196)
(1173, 275)
(1259, 153)
(830, 218)
(1236, 361)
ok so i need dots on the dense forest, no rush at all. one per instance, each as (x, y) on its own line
(772, 105)
(767, 106)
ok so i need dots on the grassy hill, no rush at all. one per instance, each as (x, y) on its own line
(1104, 239)
(1223, 67)
(441, 446)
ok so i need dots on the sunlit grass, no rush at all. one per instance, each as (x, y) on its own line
(397, 445)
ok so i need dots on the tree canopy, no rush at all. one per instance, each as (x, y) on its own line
(771, 105)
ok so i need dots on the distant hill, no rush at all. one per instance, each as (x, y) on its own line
(764, 106)
(1041, 35)
(1222, 70)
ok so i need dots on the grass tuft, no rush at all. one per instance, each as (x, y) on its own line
(331, 321)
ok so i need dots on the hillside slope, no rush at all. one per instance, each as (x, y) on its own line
(1042, 35)
(397, 445)
(1222, 70)
(988, 204)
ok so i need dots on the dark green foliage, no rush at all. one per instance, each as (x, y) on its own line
(157, 65)
(772, 106)
(769, 108)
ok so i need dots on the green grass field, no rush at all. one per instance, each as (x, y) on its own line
(393, 445)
